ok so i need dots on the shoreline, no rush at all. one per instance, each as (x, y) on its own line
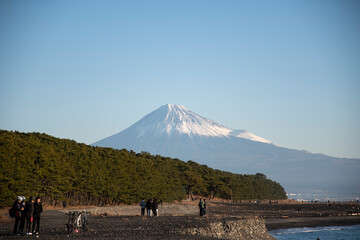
(312, 222)
(175, 220)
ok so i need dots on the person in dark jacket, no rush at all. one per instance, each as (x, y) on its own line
(148, 207)
(37, 211)
(29, 214)
(22, 218)
(17, 208)
(155, 206)
(64, 204)
(143, 205)
(201, 207)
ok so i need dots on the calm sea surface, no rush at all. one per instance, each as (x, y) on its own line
(323, 233)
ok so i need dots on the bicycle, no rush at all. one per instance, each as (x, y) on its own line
(77, 221)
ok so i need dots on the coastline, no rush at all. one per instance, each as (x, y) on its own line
(181, 220)
(301, 222)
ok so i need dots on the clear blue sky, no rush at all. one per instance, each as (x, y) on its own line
(288, 71)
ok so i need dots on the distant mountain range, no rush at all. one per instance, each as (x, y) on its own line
(177, 132)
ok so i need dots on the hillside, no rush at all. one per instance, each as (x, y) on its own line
(61, 169)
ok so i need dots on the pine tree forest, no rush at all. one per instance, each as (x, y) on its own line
(35, 164)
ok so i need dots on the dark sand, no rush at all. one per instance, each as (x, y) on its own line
(167, 226)
(280, 216)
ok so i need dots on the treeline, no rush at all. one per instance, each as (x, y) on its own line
(60, 169)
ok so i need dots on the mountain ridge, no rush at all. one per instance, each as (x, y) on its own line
(192, 137)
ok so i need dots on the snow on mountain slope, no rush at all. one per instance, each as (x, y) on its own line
(176, 119)
(248, 135)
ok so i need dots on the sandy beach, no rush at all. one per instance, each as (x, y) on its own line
(175, 221)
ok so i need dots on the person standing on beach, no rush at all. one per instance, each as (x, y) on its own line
(204, 210)
(148, 207)
(155, 207)
(29, 214)
(22, 218)
(37, 211)
(201, 207)
(143, 205)
(17, 209)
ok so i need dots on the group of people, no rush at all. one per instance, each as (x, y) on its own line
(28, 215)
(202, 207)
(152, 205)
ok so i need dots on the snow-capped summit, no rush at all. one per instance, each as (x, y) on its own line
(176, 119)
(172, 118)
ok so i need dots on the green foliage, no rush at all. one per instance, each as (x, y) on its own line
(60, 169)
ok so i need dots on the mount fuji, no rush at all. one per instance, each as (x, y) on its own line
(177, 132)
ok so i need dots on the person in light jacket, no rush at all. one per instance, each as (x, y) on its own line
(22, 218)
(204, 210)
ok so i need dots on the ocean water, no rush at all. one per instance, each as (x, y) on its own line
(323, 233)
